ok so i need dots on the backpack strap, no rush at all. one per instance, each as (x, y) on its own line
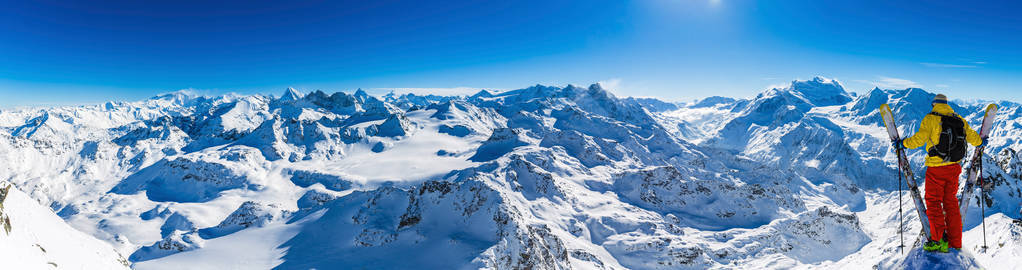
(944, 115)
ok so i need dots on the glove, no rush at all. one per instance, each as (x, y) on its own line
(898, 145)
(985, 141)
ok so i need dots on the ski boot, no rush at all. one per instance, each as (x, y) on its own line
(936, 246)
(946, 248)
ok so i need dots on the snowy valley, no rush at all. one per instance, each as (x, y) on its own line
(542, 177)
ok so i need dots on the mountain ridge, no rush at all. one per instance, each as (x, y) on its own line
(544, 177)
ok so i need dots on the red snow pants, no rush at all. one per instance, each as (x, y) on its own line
(942, 203)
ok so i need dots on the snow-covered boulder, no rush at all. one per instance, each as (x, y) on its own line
(175, 242)
(304, 178)
(456, 130)
(249, 214)
(313, 199)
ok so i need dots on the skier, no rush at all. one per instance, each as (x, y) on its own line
(944, 133)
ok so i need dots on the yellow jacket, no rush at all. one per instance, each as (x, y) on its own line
(929, 134)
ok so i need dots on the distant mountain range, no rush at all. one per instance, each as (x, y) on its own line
(541, 177)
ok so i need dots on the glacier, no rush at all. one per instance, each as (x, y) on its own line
(542, 177)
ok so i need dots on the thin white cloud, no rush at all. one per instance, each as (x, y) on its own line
(895, 83)
(943, 65)
(943, 86)
(980, 62)
(612, 85)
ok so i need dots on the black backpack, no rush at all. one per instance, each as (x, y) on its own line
(952, 146)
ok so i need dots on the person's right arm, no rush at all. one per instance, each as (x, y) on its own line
(970, 135)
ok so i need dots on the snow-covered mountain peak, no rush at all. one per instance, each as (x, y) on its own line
(290, 94)
(911, 103)
(820, 91)
(182, 94)
(597, 87)
(597, 91)
(361, 95)
(483, 93)
(915, 95)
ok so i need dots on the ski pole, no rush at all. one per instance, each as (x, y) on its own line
(901, 216)
(982, 202)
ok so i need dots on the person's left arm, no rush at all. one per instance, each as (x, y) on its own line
(970, 135)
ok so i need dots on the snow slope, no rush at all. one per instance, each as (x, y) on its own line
(33, 237)
(541, 177)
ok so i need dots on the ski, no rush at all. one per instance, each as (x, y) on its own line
(976, 164)
(910, 179)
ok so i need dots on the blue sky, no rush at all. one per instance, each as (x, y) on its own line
(74, 52)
